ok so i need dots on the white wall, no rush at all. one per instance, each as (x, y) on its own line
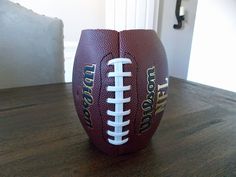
(132, 14)
(177, 42)
(213, 56)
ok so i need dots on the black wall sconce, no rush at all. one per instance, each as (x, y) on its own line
(179, 13)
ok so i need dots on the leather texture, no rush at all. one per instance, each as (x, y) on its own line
(97, 47)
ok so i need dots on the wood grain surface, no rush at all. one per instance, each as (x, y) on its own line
(40, 135)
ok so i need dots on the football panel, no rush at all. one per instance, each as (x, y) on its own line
(149, 54)
(94, 46)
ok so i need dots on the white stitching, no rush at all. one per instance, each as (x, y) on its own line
(118, 88)
(119, 101)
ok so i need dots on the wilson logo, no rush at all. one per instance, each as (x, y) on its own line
(89, 72)
(147, 105)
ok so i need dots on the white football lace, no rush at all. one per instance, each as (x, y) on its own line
(119, 101)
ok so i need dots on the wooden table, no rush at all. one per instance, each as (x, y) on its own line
(40, 135)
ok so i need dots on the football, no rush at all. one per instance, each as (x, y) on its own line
(120, 82)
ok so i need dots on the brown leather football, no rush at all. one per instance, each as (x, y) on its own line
(120, 82)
